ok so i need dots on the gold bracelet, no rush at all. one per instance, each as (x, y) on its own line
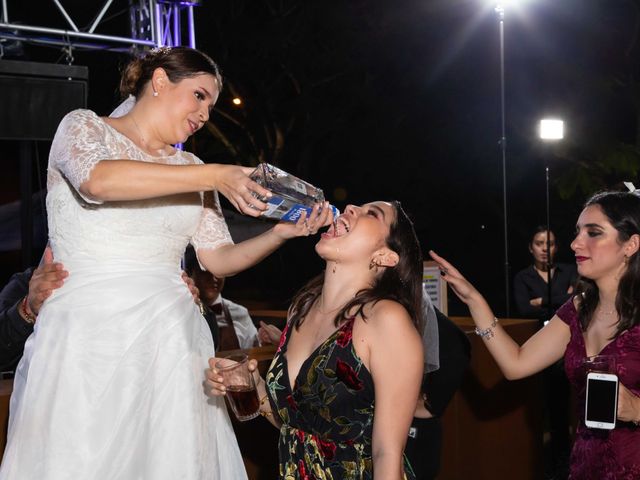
(263, 412)
(27, 314)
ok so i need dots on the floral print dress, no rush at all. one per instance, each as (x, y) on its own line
(327, 417)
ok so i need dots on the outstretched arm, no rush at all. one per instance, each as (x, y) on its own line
(112, 180)
(79, 152)
(230, 259)
(541, 350)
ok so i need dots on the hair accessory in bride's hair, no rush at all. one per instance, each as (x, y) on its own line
(632, 189)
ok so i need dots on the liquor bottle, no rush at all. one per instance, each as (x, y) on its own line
(291, 195)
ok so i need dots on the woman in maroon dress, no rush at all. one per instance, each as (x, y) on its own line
(602, 319)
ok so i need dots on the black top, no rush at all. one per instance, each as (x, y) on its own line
(14, 331)
(528, 284)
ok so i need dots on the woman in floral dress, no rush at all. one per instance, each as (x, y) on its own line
(343, 383)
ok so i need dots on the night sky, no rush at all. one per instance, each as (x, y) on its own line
(401, 100)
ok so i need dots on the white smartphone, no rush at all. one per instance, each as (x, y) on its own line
(601, 407)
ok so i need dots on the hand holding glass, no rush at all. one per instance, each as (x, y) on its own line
(240, 386)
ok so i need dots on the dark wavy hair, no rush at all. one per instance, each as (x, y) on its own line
(401, 283)
(178, 62)
(622, 209)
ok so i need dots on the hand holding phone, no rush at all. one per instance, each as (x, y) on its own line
(601, 406)
(628, 405)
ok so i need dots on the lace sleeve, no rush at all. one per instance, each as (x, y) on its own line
(79, 144)
(212, 230)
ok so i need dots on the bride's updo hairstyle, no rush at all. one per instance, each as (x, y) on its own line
(178, 62)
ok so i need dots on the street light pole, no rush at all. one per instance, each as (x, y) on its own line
(551, 130)
(549, 259)
(503, 148)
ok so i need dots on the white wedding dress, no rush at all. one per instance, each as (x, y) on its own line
(111, 383)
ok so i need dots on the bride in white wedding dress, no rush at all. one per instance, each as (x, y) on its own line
(110, 385)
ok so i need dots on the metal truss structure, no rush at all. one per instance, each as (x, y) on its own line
(151, 23)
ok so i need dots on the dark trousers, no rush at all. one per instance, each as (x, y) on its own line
(424, 448)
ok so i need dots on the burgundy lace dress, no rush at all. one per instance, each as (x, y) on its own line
(603, 454)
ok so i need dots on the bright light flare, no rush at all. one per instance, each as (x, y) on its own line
(510, 5)
(551, 129)
(237, 101)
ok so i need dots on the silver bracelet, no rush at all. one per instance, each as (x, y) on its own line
(487, 333)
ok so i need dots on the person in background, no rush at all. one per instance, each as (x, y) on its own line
(602, 318)
(231, 325)
(530, 285)
(532, 300)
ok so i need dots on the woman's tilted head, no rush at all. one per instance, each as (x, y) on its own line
(606, 249)
(177, 62)
(176, 89)
(378, 240)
